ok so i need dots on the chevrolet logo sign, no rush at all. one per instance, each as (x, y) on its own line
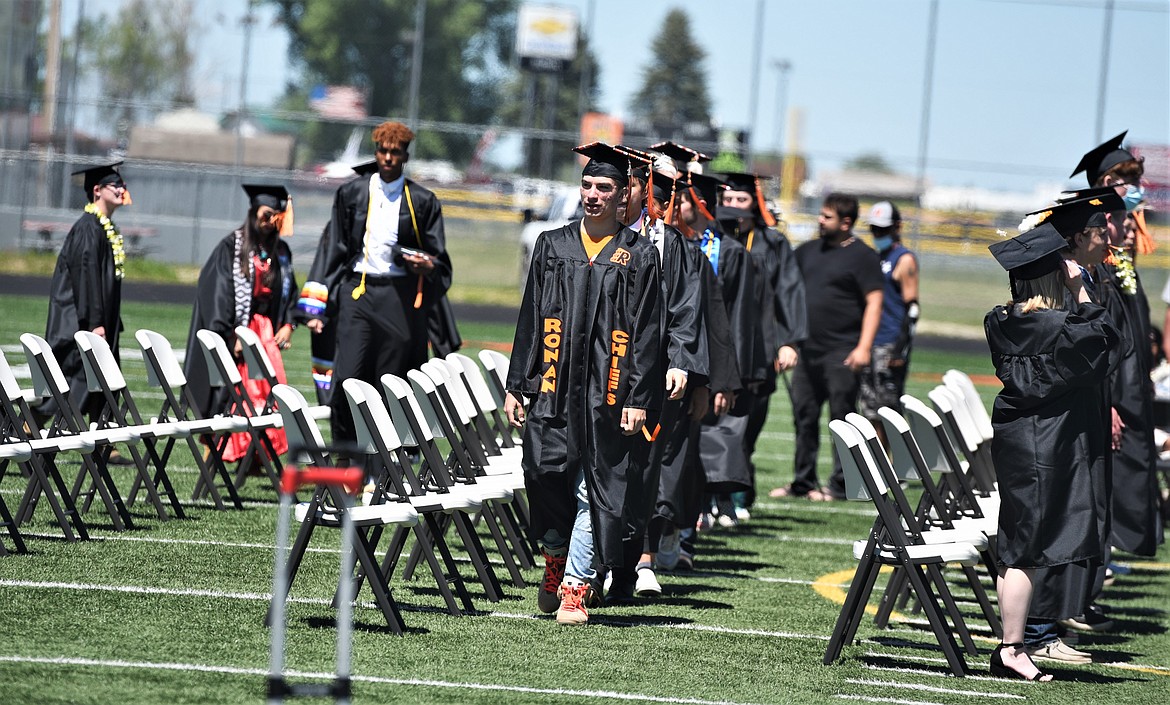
(549, 25)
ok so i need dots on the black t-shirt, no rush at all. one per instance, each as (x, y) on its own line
(836, 280)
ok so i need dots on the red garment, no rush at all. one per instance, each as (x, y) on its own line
(258, 391)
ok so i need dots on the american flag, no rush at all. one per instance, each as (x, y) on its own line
(338, 102)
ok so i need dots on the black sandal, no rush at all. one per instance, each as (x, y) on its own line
(999, 670)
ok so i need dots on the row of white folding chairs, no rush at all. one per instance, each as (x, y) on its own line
(435, 401)
(121, 421)
(917, 543)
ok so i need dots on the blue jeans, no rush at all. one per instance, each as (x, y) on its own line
(580, 564)
(1038, 632)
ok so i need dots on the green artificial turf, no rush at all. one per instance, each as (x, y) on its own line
(172, 612)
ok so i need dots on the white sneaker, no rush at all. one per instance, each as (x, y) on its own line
(608, 583)
(727, 521)
(742, 514)
(647, 584)
(668, 548)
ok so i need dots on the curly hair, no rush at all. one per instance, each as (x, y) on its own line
(392, 132)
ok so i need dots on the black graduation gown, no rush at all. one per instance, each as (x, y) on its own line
(684, 347)
(84, 294)
(215, 310)
(1051, 440)
(722, 457)
(587, 345)
(1136, 523)
(323, 345)
(342, 246)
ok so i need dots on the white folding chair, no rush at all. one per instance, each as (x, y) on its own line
(926, 532)
(889, 544)
(164, 372)
(260, 365)
(222, 372)
(940, 454)
(18, 425)
(104, 376)
(305, 437)
(417, 426)
(397, 483)
(68, 421)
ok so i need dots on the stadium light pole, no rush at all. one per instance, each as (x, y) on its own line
(924, 126)
(754, 94)
(248, 20)
(1106, 39)
(416, 55)
(782, 66)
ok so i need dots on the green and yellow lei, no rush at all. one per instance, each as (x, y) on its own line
(115, 239)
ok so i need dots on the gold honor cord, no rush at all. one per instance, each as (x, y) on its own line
(361, 287)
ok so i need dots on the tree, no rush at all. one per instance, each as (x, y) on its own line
(674, 85)
(142, 55)
(870, 161)
(369, 44)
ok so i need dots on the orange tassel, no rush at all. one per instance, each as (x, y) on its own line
(651, 436)
(762, 204)
(700, 205)
(286, 220)
(126, 201)
(418, 293)
(1145, 241)
(1110, 259)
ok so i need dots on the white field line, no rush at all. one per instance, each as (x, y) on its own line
(921, 672)
(869, 699)
(265, 597)
(815, 507)
(335, 551)
(233, 670)
(933, 689)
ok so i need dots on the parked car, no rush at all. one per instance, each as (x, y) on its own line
(564, 207)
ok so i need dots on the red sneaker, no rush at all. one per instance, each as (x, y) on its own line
(548, 601)
(572, 611)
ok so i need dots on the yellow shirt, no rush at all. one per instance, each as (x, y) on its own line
(594, 247)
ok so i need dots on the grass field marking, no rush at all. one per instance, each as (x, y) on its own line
(871, 699)
(829, 586)
(265, 597)
(1153, 670)
(233, 670)
(805, 505)
(747, 632)
(933, 689)
(922, 672)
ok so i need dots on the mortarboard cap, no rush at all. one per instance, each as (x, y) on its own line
(274, 196)
(1072, 215)
(365, 168)
(750, 183)
(1031, 254)
(605, 161)
(665, 187)
(708, 187)
(739, 181)
(99, 175)
(679, 152)
(1102, 158)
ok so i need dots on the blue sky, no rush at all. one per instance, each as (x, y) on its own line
(1015, 81)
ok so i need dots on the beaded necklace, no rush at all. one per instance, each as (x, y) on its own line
(113, 237)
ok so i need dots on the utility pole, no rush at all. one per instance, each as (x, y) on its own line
(924, 127)
(782, 66)
(754, 105)
(416, 57)
(242, 110)
(586, 66)
(1103, 79)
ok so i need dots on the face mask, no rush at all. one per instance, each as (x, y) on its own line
(881, 243)
(1133, 196)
